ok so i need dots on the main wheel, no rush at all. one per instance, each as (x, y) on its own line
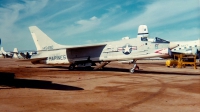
(132, 70)
(71, 67)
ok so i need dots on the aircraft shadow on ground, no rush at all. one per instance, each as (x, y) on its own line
(150, 72)
(114, 69)
(61, 67)
(167, 73)
(83, 69)
(127, 70)
(9, 80)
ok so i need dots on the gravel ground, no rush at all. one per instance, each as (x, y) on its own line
(25, 87)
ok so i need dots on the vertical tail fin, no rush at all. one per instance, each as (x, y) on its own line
(2, 50)
(41, 40)
(15, 53)
(15, 50)
(143, 31)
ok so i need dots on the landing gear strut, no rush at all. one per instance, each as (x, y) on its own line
(135, 67)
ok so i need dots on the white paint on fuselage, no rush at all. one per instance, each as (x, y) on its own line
(187, 45)
(109, 52)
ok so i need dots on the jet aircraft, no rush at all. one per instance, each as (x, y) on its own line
(26, 54)
(184, 47)
(5, 54)
(50, 52)
(188, 47)
(13, 54)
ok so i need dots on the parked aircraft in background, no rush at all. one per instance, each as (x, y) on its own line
(10, 54)
(49, 52)
(6, 54)
(185, 47)
(188, 47)
(25, 54)
(1, 54)
(15, 53)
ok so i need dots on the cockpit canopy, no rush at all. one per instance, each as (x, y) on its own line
(155, 40)
(159, 40)
(144, 39)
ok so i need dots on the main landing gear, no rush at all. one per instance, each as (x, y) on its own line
(81, 66)
(71, 66)
(135, 67)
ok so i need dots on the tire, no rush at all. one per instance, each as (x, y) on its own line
(71, 67)
(132, 70)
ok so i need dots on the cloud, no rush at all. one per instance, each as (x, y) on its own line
(61, 12)
(160, 13)
(91, 41)
(32, 7)
(178, 35)
(12, 13)
(83, 26)
(115, 8)
(92, 20)
(72, 19)
(9, 15)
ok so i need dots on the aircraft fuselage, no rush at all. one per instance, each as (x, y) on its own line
(112, 51)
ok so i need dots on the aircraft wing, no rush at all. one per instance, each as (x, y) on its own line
(77, 47)
(23, 55)
(86, 46)
(70, 47)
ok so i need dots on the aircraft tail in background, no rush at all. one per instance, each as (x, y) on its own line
(15, 50)
(6, 54)
(2, 50)
(15, 53)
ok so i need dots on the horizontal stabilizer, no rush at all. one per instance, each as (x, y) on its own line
(34, 59)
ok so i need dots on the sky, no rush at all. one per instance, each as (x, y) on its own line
(79, 22)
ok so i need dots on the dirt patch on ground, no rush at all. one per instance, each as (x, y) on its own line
(26, 87)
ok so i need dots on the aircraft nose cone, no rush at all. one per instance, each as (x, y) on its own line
(173, 45)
